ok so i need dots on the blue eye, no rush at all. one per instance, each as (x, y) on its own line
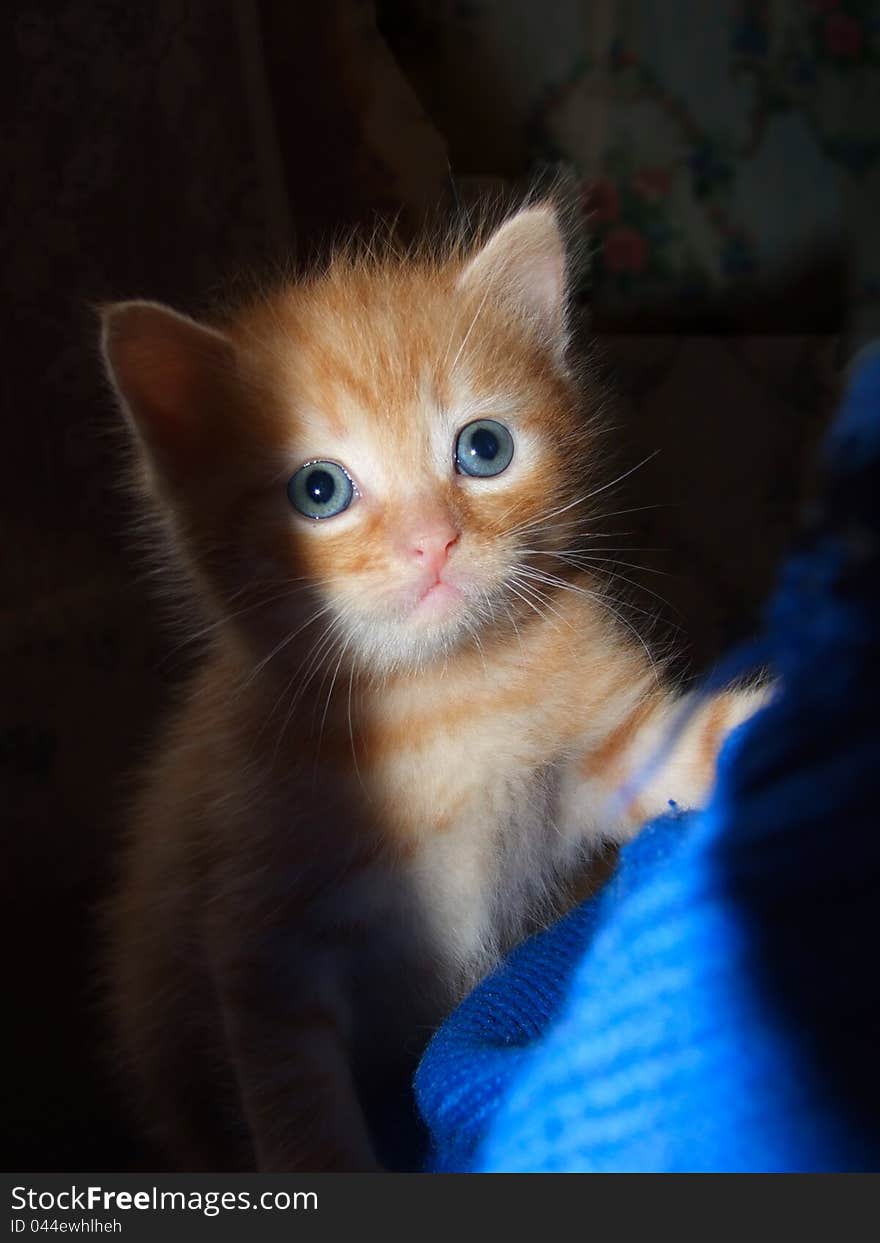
(320, 490)
(484, 448)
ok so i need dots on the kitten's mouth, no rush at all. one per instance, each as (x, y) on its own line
(437, 599)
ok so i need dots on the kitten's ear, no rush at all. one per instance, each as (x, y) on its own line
(523, 266)
(169, 373)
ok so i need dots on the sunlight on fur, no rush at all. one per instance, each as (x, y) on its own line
(418, 701)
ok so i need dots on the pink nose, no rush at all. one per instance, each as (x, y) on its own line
(431, 545)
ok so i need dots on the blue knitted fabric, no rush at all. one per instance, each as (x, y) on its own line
(717, 1007)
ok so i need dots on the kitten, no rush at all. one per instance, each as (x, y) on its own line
(417, 714)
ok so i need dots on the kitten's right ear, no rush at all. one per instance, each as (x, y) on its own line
(169, 372)
(523, 266)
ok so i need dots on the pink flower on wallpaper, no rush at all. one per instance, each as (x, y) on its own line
(625, 250)
(652, 183)
(843, 35)
(601, 201)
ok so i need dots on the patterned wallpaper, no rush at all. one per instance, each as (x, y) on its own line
(714, 141)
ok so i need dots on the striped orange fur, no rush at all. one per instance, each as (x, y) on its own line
(414, 718)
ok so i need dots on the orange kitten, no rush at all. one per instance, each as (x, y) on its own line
(416, 715)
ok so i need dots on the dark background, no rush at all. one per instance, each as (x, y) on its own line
(161, 150)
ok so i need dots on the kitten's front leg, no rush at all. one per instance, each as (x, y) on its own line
(286, 1018)
(645, 764)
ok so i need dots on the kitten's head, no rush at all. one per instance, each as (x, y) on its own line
(391, 442)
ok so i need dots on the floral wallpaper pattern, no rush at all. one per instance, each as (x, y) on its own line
(701, 189)
(716, 140)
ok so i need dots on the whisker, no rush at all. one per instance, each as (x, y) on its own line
(579, 560)
(325, 648)
(547, 517)
(325, 641)
(520, 577)
(285, 642)
(543, 607)
(510, 615)
(328, 700)
(638, 586)
(625, 474)
(637, 509)
(473, 632)
(563, 585)
(477, 314)
(357, 767)
(204, 631)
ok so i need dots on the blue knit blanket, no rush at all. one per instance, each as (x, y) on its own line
(717, 1007)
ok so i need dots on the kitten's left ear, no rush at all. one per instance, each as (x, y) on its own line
(522, 266)
(172, 376)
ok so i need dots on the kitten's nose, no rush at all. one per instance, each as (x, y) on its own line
(431, 545)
